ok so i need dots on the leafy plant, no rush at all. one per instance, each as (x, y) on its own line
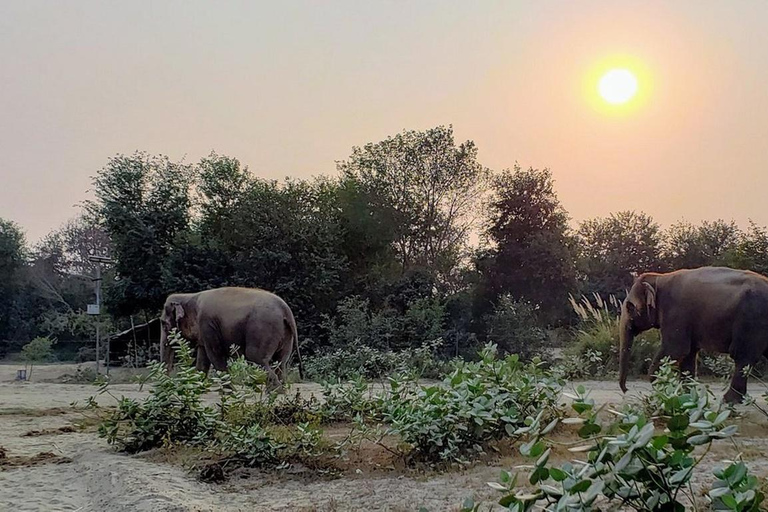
(173, 413)
(346, 400)
(629, 461)
(39, 350)
(735, 489)
(359, 360)
(516, 329)
(475, 404)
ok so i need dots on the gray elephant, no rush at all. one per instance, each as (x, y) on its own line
(716, 309)
(258, 322)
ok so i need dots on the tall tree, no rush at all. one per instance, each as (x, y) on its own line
(616, 247)
(12, 259)
(144, 204)
(710, 243)
(531, 255)
(751, 252)
(426, 188)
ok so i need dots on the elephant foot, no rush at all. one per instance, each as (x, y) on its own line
(733, 397)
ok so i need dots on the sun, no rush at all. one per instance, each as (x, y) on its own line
(617, 86)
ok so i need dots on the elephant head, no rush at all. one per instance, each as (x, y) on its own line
(176, 315)
(638, 314)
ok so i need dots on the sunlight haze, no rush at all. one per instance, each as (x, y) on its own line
(290, 87)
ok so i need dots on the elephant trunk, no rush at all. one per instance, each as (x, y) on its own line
(166, 352)
(626, 338)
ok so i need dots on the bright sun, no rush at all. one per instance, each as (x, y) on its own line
(617, 86)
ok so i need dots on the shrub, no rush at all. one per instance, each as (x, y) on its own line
(358, 360)
(387, 329)
(475, 404)
(346, 400)
(630, 462)
(514, 328)
(39, 350)
(85, 355)
(173, 412)
(243, 428)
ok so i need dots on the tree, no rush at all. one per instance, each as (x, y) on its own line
(39, 350)
(531, 257)
(12, 259)
(424, 188)
(612, 249)
(283, 237)
(689, 246)
(144, 204)
(751, 252)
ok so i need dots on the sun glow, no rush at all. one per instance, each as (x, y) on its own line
(618, 86)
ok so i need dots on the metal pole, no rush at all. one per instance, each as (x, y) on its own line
(98, 315)
(97, 312)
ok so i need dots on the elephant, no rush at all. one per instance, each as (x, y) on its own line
(256, 321)
(716, 309)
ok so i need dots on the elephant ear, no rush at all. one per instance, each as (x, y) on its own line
(179, 311)
(650, 295)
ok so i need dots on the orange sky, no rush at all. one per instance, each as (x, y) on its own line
(289, 89)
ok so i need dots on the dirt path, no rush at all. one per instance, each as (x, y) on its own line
(99, 479)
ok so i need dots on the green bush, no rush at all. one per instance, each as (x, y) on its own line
(387, 329)
(358, 360)
(173, 413)
(477, 403)
(39, 350)
(515, 328)
(247, 426)
(630, 462)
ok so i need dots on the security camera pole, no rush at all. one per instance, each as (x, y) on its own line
(95, 309)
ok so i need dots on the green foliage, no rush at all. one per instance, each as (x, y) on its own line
(515, 328)
(387, 329)
(12, 255)
(347, 400)
(613, 248)
(594, 350)
(751, 251)
(173, 413)
(735, 489)
(533, 254)
(241, 428)
(477, 403)
(718, 365)
(358, 360)
(39, 350)
(144, 204)
(710, 243)
(630, 462)
(424, 187)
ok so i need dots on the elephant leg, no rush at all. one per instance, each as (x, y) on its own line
(273, 381)
(284, 356)
(688, 364)
(682, 355)
(202, 363)
(738, 388)
(215, 348)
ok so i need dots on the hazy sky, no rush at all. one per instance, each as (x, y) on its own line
(289, 87)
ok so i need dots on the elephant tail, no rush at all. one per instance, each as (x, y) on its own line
(291, 323)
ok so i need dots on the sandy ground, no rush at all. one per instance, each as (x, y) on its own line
(99, 479)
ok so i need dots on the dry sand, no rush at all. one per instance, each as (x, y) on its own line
(100, 479)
